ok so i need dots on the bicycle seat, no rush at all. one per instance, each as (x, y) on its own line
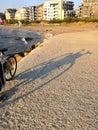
(4, 49)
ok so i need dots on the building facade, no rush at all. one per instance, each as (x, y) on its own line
(57, 9)
(40, 12)
(32, 13)
(51, 9)
(89, 8)
(68, 9)
(2, 18)
(22, 14)
(10, 14)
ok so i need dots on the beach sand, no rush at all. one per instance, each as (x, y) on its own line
(56, 86)
(57, 28)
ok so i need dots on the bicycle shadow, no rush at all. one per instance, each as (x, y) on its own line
(42, 71)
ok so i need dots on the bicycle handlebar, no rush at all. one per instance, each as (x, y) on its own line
(4, 49)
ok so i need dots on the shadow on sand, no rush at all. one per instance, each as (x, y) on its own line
(41, 71)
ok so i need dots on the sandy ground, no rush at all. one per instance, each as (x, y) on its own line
(56, 86)
(57, 28)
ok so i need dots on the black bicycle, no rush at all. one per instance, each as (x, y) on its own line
(9, 63)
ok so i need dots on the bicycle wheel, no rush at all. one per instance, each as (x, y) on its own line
(10, 68)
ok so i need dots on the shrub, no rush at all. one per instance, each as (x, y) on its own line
(88, 19)
(55, 21)
(70, 20)
(36, 21)
(12, 21)
(25, 21)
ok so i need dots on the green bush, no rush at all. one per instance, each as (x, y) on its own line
(70, 20)
(88, 19)
(25, 21)
(36, 21)
(55, 21)
(12, 21)
(66, 20)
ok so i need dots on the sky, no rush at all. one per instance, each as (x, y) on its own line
(5, 4)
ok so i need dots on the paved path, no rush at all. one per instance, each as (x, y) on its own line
(56, 86)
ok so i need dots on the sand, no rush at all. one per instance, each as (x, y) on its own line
(56, 86)
(58, 28)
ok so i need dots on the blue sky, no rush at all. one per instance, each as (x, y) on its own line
(20, 3)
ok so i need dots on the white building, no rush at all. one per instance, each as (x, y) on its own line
(53, 9)
(22, 13)
(10, 14)
(56, 9)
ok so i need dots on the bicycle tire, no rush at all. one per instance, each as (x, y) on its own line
(10, 68)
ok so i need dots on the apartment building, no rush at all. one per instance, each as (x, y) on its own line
(57, 9)
(10, 14)
(32, 13)
(22, 14)
(89, 8)
(40, 12)
(52, 9)
(68, 7)
(2, 16)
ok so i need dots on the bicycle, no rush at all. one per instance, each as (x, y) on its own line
(9, 63)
